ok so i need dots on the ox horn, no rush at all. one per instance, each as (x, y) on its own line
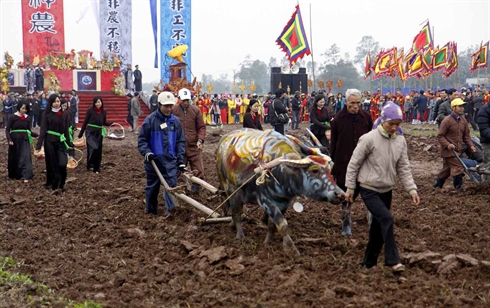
(314, 138)
(304, 148)
(301, 163)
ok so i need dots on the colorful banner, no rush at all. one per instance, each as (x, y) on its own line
(175, 30)
(293, 40)
(115, 20)
(43, 28)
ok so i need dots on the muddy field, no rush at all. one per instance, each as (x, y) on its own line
(95, 242)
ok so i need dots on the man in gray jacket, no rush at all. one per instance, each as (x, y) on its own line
(445, 106)
(135, 111)
(74, 100)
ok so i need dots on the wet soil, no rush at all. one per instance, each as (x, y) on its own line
(95, 242)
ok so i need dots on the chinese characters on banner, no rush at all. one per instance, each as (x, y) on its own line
(115, 19)
(43, 28)
(175, 26)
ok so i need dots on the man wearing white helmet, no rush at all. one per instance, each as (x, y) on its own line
(161, 139)
(190, 117)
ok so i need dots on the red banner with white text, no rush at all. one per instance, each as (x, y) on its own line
(43, 28)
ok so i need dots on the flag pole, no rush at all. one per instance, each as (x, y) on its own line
(311, 48)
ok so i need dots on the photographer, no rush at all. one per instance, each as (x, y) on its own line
(276, 109)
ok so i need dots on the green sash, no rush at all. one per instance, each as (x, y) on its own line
(62, 137)
(102, 128)
(28, 132)
(70, 132)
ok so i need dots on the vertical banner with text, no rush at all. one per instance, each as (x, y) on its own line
(43, 28)
(115, 20)
(175, 26)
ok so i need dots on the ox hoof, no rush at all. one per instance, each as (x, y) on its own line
(292, 250)
(240, 236)
(347, 232)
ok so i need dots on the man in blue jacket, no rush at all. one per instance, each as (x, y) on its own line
(421, 104)
(483, 121)
(161, 139)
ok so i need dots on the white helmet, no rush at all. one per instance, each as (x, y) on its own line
(166, 98)
(184, 94)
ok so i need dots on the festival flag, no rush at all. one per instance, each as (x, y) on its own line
(423, 39)
(415, 66)
(384, 62)
(480, 58)
(427, 61)
(439, 59)
(402, 66)
(452, 62)
(293, 40)
(367, 68)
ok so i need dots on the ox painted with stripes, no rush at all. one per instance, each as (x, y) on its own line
(302, 171)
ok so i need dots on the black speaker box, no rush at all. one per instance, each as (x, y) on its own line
(294, 81)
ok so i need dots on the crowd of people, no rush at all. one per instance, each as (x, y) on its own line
(361, 131)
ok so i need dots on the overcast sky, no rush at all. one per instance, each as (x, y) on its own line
(225, 31)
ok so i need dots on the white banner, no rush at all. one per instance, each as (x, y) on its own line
(115, 20)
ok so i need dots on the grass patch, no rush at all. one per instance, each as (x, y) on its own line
(22, 291)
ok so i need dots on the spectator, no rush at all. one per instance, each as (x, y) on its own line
(483, 121)
(320, 120)
(251, 118)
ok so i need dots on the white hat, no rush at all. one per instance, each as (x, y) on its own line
(166, 98)
(184, 94)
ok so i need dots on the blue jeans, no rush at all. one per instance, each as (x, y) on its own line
(295, 119)
(470, 163)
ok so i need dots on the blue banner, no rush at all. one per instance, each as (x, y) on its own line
(175, 30)
(153, 11)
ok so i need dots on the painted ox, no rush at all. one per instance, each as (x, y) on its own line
(302, 171)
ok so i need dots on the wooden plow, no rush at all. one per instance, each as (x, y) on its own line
(213, 215)
(471, 171)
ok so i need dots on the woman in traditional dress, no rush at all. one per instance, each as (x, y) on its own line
(65, 109)
(19, 138)
(251, 118)
(95, 119)
(320, 120)
(54, 134)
